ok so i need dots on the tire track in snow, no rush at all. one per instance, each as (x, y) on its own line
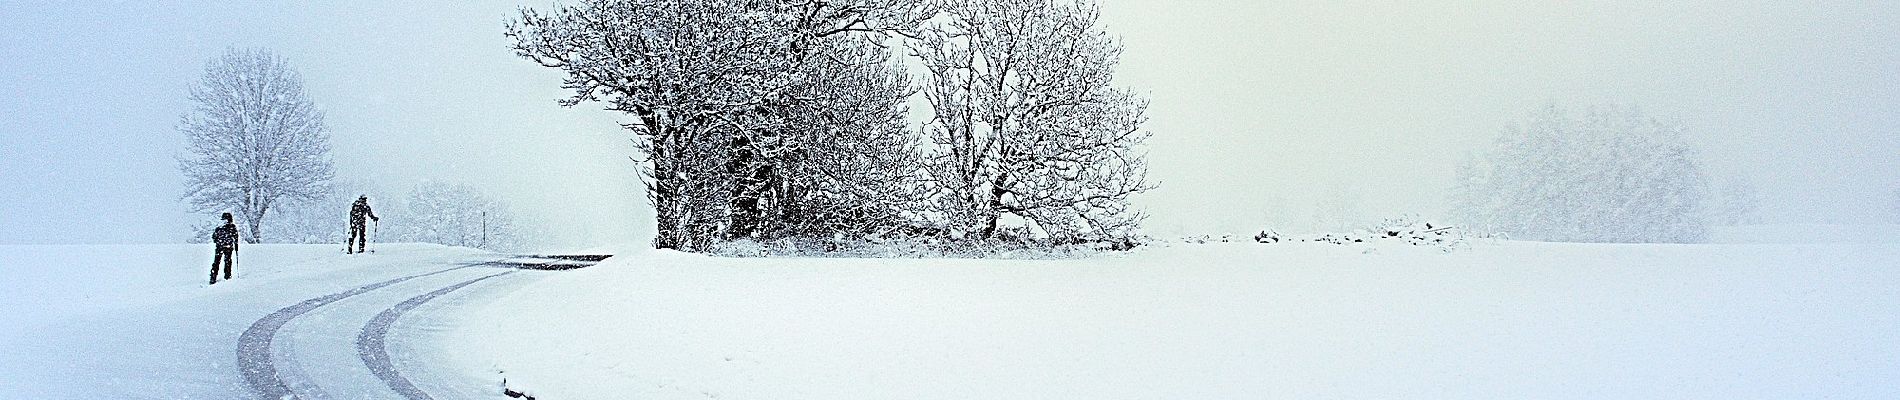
(254, 346)
(371, 346)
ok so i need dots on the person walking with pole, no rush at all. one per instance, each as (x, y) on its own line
(225, 240)
(358, 212)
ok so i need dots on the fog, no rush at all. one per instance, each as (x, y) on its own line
(1296, 103)
(1285, 114)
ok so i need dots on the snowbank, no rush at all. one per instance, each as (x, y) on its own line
(1501, 320)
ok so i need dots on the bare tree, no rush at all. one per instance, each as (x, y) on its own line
(705, 81)
(255, 139)
(1026, 122)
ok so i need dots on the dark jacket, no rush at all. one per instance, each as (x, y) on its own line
(226, 237)
(361, 210)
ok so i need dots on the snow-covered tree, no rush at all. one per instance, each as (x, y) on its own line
(455, 215)
(320, 220)
(1026, 120)
(837, 160)
(709, 83)
(255, 140)
(315, 221)
(1605, 176)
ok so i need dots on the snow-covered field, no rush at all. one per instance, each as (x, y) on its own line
(1806, 233)
(1217, 321)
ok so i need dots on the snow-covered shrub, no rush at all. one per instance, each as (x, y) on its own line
(1406, 229)
(920, 247)
(1268, 236)
(1205, 239)
(1604, 176)
(1339, 238)
(1417, 232)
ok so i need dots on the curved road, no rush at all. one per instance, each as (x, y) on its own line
(339, 345)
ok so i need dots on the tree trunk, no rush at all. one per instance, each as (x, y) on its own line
(996, 206)
(666, 213)
(254, 221)
(664, 191)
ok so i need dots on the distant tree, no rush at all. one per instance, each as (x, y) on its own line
(711, 85)
(1606, 176)
(255, 140)
(321, 220)
(455, 215)
(325, 219)
(1739, 203)
(1472, 200)
(1342, 209)
(1026, 122)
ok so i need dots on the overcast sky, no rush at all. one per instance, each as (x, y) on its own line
(1261, 109)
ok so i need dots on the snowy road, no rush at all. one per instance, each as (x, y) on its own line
(299, 323)
(259, 359)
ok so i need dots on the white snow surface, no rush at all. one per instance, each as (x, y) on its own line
(1217, 321)
(1500, 319)
(139, 321)
(1805, 233)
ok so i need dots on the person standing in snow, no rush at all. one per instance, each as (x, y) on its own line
(357, 233)
(225, 239)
